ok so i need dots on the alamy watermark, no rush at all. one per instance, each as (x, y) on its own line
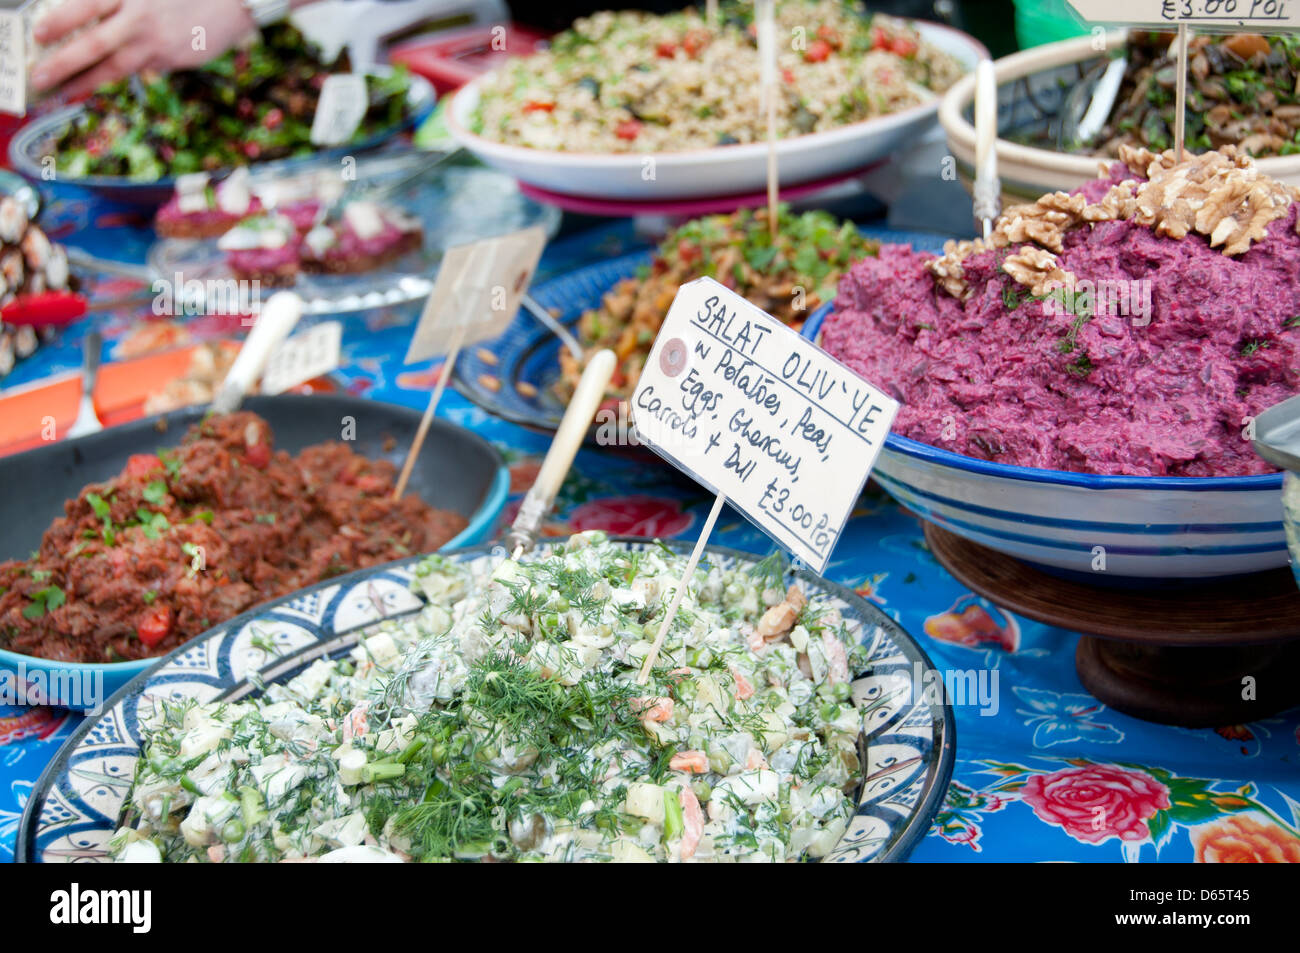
(1107, 297)
(69, 688)
(961, 688)
(178, 297)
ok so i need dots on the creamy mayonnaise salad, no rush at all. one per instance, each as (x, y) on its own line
(504, 721)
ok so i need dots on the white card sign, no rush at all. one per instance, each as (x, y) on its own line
(1263, 16)
(477, 293)
(753, 411)
(310, 354)
(342, 105)
(13, 63)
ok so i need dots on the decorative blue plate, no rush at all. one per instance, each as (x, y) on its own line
(527, 353)
(33, 142)
(908, 743)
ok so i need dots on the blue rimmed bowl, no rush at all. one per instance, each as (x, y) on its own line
(514, 377)
(1147, 527)
(907, 744)
(457, 470)
(32, 143)
(1291, 519)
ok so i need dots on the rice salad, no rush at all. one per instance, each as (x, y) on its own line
(635, 82)
(503, 721)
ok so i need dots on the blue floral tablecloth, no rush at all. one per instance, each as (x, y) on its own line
(1044, 771)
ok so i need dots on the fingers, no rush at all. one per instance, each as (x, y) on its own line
(66, 18)
(78, 55)
(115, 67)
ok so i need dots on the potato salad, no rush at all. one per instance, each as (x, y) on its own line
(504, 721)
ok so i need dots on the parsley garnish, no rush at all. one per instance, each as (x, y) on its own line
(44, 600)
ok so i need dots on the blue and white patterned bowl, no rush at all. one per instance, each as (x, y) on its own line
(528, 354)
(1148, 527)
(909, 742)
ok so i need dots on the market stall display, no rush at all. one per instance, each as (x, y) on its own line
(633, 82)
(1242, 92)
(520, 378)
(788, 278)
(913, 738)
(30, 264)
(373, 240)
(251, 106)
(1047, 458)
(619, 88)
(116, 475)
(1012, 487)
(1045, 91)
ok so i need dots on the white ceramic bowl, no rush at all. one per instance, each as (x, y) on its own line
(721, 170)
(1147, 527)
(1026, 171)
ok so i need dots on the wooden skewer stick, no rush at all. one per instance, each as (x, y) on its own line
(772, 188)
(765, 17)
(682, 584)
(1180, 95)
(448, 365)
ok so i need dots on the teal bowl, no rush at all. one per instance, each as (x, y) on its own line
(457, 470)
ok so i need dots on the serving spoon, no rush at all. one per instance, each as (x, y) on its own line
(987, 191)
(276, 320)
(1083, 118)
(1277, 435)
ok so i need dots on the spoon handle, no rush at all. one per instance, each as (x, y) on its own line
(586, 401)
(277, 319)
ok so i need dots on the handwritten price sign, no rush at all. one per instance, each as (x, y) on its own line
(762, 416)
(1265, 16)
(13, 63)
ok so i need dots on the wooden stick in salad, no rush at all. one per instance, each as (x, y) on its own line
(1180, 93)
(689, 573)
(448, 365)
(765, 14)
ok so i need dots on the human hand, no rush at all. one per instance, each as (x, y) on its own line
(123, 37)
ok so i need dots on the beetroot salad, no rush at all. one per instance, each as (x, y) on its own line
(1103, 343)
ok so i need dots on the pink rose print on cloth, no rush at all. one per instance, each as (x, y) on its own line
(631, 516)
(1096, 802)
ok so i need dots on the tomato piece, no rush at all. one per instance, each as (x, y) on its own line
(538, 106)
(142, 464)
(665, 49)
(687, 252)
(830, 35)
(628, 129)
(818, 52)
(879, 41)
(787, 74)
(257, 455)
(694, 41)
(371, 484)
(273, 118)
(904, 47)
(155, 625)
